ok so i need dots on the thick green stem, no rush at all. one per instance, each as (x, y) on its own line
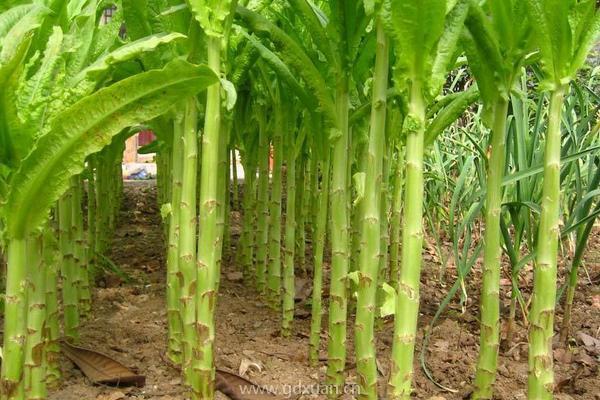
(234, 179)
(302, 168)
(224, 199)
(35, 361)
(79, 245)
(490, 292)
(223, 204)
(52, 326)
(541, 316)
(249, 206)
(262, 207)
(384, 221)
(371, 234)
(91, 216)
(407, 304)
(15, 321)
(338, 299)
(274, 272)
(70, 292)
(187, 237)
(208, 239)
(396, 219)
(175, 329)
(318, 251)
(288, 292)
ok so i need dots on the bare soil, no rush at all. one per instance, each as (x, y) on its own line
(129, 323)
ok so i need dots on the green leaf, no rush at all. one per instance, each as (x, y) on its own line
(20, 30)
(87, 127)
(10, 17)
(244, 60)
(10, 125)
(446, 47)
(450, 113)
(137, 19)
(554, 36)
(389, 301)
(589, 28)
(166, 210)
(291, 53)
(231, 94)
(282, 71)
(353, 276)
(80, 40)
(35, 95)
(537, 169)
(106, 36)
(316, 29)
(359, 186)
(211, 14)
(126, 53)
(483, 52)
(152, 147)
(415, 26)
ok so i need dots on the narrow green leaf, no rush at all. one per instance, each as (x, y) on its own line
(282, 71)
(292, 53)
(450, 113)
(315, 29)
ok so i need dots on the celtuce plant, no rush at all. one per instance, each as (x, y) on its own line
(564, 44)
(371, 225)
(496, 60)
(426, 51)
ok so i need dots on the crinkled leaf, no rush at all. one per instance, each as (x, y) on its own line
(20, 30)
(126, 53)
(107, 35)
(38, 90)
(415, 27)
(87, 127)
(211, 14)
(165, 210)
(450, 113)
(10, 126)
(80, 40)
(446, 47)
(316, 29)
(554, 35)
(587, 32)
(10, 17)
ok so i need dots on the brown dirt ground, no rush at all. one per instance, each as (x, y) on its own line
(129, 323)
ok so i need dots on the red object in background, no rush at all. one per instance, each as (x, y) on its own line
(145, 137)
